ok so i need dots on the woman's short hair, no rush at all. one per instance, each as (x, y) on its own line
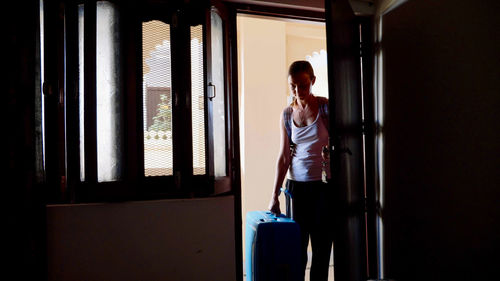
(301, 66)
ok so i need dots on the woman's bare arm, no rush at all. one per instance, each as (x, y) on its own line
(282, 164)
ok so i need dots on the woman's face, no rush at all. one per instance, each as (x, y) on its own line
(301, 84)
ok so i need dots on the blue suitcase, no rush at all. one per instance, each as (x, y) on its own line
(272, 248)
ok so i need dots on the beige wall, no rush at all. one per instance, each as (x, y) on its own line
(303, 39)
(262, 45)
(309, 40)
(191, 239)
(265, 49)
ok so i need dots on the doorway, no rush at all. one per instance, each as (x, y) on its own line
(266, 47)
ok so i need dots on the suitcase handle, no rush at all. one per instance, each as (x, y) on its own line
(289, 202)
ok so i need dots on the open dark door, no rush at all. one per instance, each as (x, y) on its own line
(346, 136)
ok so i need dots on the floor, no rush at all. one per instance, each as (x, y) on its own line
(330, 274)
(308, 268)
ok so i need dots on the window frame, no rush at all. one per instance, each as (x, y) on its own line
(194, 185)
(62, 112)
(182, 184)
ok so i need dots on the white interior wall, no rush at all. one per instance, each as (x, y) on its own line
(308, 41)
(263, 93)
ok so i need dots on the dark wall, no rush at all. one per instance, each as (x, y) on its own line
(21, 212)
(442, 140)
(185, 239)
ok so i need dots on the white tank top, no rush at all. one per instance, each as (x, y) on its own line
(306, 164)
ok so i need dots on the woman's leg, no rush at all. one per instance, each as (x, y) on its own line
(301, 214)
(321, 233)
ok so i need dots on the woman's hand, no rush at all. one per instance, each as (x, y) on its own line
(325, 153)
(274, 205)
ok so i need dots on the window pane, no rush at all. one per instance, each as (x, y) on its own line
(157, 99)
(108, 91)
(198, 100)
(218, 116)
(81, 90)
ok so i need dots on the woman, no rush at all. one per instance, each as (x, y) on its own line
(304, 138)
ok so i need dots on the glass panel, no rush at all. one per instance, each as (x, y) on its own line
(219, 123)
(109, 127)
(81, 90)
(198, 100)
(39, 100)
(157, 99)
